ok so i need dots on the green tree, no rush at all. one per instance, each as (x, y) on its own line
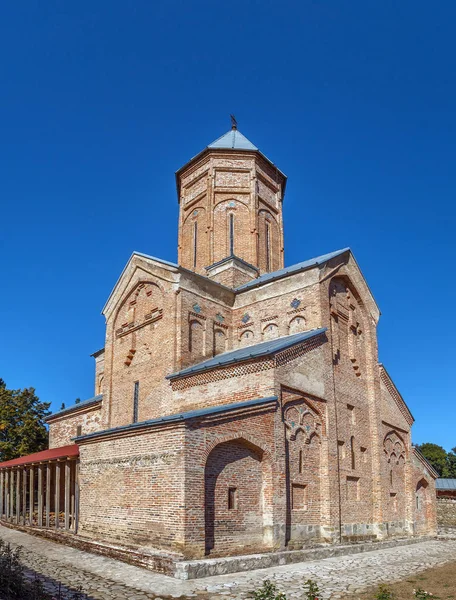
(438, 458)
(22, 427)
(452, 463)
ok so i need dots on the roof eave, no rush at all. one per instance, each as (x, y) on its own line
(160, 261)
(75, 408)
(251, 357)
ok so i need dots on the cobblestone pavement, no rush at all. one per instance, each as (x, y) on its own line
(104, 578)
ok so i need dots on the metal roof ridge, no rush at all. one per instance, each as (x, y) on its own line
(264, 348)
(280, 273)
(201, 412)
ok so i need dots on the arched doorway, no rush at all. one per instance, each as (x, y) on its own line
(237, 497)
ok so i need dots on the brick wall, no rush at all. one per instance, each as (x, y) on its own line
(63, 429)
(228, 191)
(138, 482)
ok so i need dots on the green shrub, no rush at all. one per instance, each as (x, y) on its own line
(384, 593)
(268, 591)
(311, 590)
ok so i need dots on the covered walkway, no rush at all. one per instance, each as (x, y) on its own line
(41, 489)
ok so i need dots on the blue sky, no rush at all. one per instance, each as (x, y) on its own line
(102, 101)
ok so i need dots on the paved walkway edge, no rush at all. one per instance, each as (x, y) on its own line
(209, 567)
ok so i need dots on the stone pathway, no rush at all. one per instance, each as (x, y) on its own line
(107, 579)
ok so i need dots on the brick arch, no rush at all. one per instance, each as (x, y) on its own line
(227, 201)
(245, 437)
(423, 506)
(311, 406)
(246, 337)
(238, 496)
(346, 280)
(219, 341)
(393, 432)
(135, 289)
(270, 331)
(297, 324)
(221, 230)
(196, 335)
(189, 252)
(201, 211)
(265, 216)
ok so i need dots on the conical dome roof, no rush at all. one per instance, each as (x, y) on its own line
(233, 140)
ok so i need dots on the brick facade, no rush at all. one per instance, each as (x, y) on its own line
(329, 459)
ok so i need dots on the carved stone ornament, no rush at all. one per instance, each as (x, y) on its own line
(300, 418)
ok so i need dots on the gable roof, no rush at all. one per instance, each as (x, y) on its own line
(442, 483)
(74, 407)
(141, 255)
(302, 266)
(249, 352)
(233, 139)
(425, 462)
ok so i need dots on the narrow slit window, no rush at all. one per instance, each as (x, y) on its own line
(300, 461)
(232, 498)
(268, 246)
(135, 402)
(195, 243)
(352, 450)
(231, 227)
(78, 430)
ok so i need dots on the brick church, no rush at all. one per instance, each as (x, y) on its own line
(239, 404)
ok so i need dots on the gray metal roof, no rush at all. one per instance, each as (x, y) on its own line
(445, 484)
(302, 266)
(233, 139)
(160, 260)
(193, 414)
(249, 352)
(82, 404)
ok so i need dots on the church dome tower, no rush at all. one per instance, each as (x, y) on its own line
(230, 213)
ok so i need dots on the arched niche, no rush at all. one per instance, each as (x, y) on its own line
(297, 324)
(238, 497)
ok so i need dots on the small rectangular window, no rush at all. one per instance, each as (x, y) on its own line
(135, 402)
(341, 447)
(232, 498)
(394, 501)
(298, 497)
(78, 430)
(353, 488)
